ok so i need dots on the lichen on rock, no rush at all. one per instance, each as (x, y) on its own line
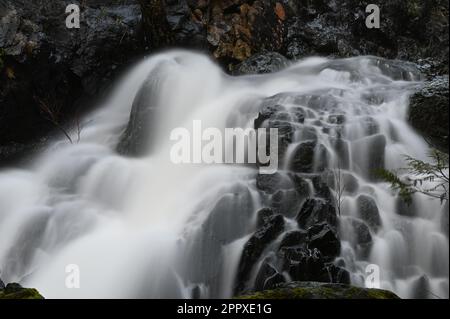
(16, 291)
(315, 290)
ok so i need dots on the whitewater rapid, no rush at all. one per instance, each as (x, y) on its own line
(135, 226)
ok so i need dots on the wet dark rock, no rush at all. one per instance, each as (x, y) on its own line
(325, 239)
(275, 116)
(134, 141)
(369, 153)
(304, 264)
(294, 238)
(316, 211)
(337, 119)
(322, 189)
(368, 211)
(348, 182)
(268, 277)
(300, 184)
(334, 29)
(285, 133)
(270, 183)
(305, 155)
(336, 274)
(308, 133)
(264, 62)
(196, 293)
(227, 221)
(18, 153)
(428, 112)
(405, 209)
(286, 202)
(263, 216)
(173, 23)
(342, 151)
(400, 70)
(255, 246)
(361, 238)
(229, 217)
(269, 111)
(43, 62)
(298, 114)
(319, 101)
(238, 29)
(421, 288)
(351, 184)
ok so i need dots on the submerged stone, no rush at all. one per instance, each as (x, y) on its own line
(368, 211)
(315, 211)
(254, 248)
(268, 277)
(325, 239)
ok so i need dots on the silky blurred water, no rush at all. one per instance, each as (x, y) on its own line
(148, 228)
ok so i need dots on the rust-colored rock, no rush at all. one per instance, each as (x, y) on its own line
(279, 11)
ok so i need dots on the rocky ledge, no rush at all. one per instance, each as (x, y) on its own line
(428, 111)
(316, 290)
(16, 291)
(50, 74)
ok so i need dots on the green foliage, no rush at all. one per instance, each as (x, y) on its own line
(324, 291)
(13, 291)
(420, 175)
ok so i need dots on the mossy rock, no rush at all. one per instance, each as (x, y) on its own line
(315, 290)
(15, 291)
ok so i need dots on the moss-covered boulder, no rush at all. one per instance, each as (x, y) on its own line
(316, 290)
(16, 291)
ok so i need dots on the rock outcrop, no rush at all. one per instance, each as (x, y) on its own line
(235, 30)
(315, 290)
(49, 73)
(16, 291)
(428, 111)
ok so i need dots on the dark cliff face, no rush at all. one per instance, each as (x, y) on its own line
(44, 66)
(237, 29)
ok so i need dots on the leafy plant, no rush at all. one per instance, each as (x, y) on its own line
(51, 109)
(428, 178)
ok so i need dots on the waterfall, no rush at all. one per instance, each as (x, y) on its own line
(143, 227)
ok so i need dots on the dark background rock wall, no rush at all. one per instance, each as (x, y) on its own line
(42, 63)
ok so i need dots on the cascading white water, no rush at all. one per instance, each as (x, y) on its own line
(149, 228)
